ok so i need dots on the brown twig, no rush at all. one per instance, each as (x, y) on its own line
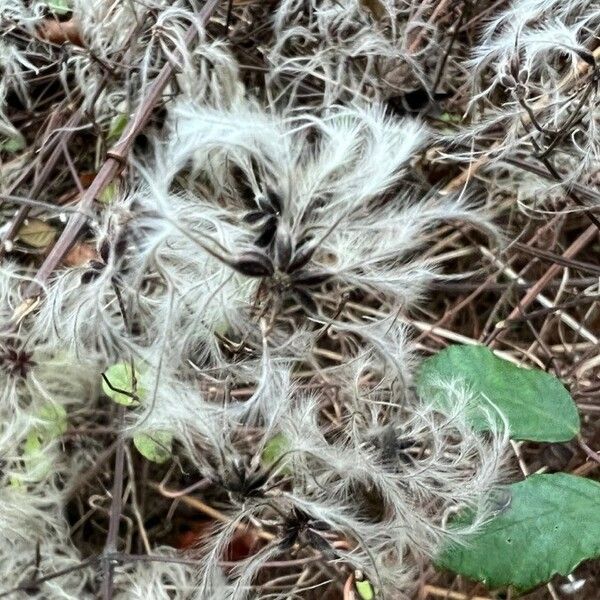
(439, 592)
(462, 178)
(28, 586)
(114, 162)
(49, 162)
(115, 512)
(581, 242)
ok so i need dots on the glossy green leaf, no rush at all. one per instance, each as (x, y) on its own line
(552, 524)
(156, 446)
(120, 376)
(536, 404)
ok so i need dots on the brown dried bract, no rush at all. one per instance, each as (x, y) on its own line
(80, 254)
(61, 32)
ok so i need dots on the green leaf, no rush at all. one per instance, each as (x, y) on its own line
(447, 117)
(117, 126)
(37, 462)
(37, 233)
(12, 145)
(16, 482)
(365, 589)
(53, 421)
(536, 404)
(120, 376)
(51, 425)
(155, 446)
(59, 7)
(551, 525)
(109, 193)
(274, 449)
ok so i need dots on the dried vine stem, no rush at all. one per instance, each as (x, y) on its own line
(115, 514)
(116, 157)
(581, 242)
(464, 176)
(50, 158)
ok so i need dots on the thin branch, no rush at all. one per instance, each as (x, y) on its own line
(114, 162)
(30, 585)
(115, 511)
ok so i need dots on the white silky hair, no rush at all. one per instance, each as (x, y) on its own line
(203, 427)
(343, 173)
(271, 399)
(156, 579)
(55, 375)
(524, 12)
(176, 406)
(32, 497)
(79, 316)
(548, 42)
(330, 172)
(11, 275)
(15, 61)
(211, 73)
(199, 295)
(335, 472)
(384, 344)
(195, 296)
(33, 475)
(459, 469)
(352, 50)
(18, 60)
(106, 29)
(85, 316)
(35, 515)
(535, 45)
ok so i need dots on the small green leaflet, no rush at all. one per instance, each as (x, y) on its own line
(274, 449)
(109, 193)
(35, 460)
(12, 145)
(536, 404)
(51, 425)
(156, 446)
(450, 118)
(117, 126)
(53, 419)
(551, 525)
(365, 589)
(59, 7)
(120, 377)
